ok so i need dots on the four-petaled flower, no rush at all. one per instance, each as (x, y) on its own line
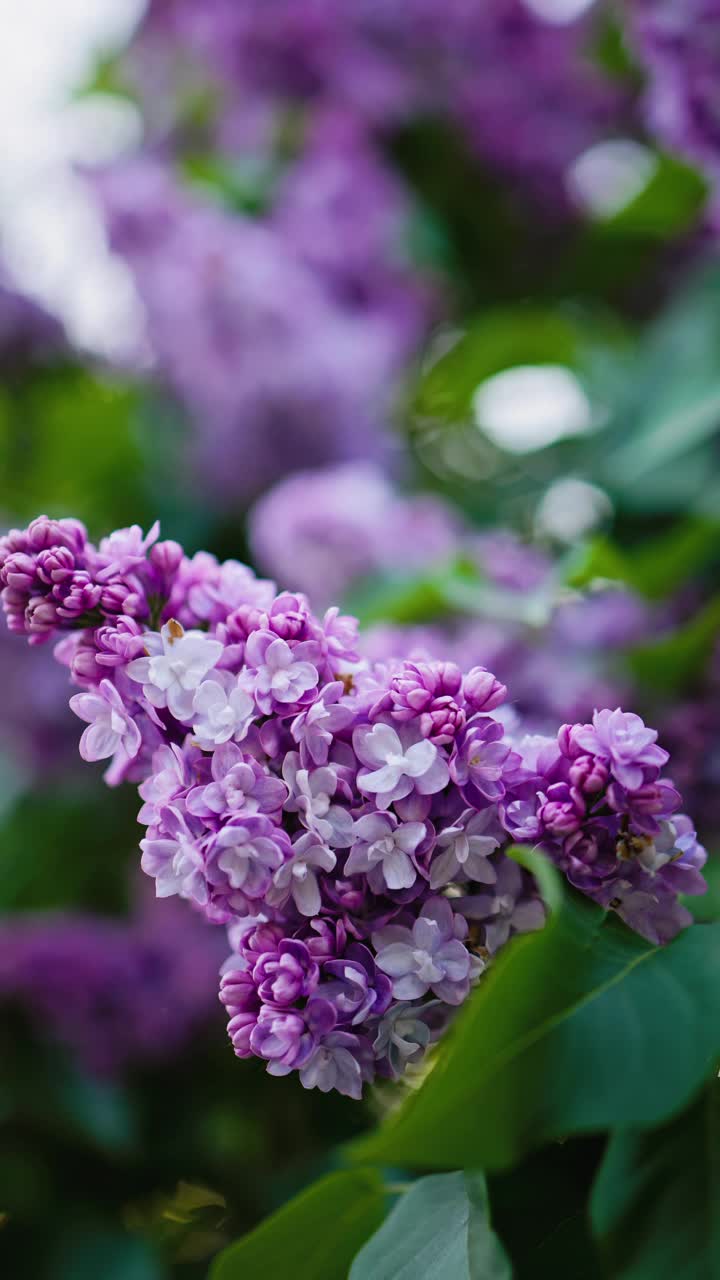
(429, 956)
(283, 675)
(222, 709)
(383, 848)
(177, 664)
(110, 729)
(397, 763)
(297, 879)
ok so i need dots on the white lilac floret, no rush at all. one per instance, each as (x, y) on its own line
(349, 822)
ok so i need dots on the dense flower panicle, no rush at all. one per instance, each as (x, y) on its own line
(348, 821)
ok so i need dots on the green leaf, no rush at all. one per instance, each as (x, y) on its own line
(412, 599)
(656, 1203)
(70, 449)
(675, 661)
(501, 338)
(439, 1230)
(668, 205)
(564, 1036)
(314, 1237)
(672, 402)
(655, 568)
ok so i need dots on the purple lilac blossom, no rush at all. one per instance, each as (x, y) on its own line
(324, 530)
(497, 71)
(117, 993)
(278, 365)
(678, 45)
(348, 821)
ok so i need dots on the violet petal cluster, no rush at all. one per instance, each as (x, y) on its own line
(348, 821)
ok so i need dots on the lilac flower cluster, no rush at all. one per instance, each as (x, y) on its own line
(497, 70)
(283, 338)
(116, 993)
(324, 530)
(349, 822)
(599, 805)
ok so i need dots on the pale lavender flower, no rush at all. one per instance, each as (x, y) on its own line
(430, 956)
(622, 739)
(508, 908)
(178, 664)
(342, 1061)
(239, 784)
(222, 709)
(111, 729)
(174, 857)
(404, 1034)
(310, 795)
(462, 851)
(297, 878)
(242, 858)
(397, 763)
(315, 727)
(383, 849)
(283, 676)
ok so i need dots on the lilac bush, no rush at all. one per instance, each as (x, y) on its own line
(116, 993)
(283, 351)
(497, 70)
(349, 821)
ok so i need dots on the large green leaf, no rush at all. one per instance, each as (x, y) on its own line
(671, 406)
(439, 1230)
(314, 1237)
(564, 1036)
(656, 1203)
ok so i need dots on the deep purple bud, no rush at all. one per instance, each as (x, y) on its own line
(483, 691)
(55, 565)
(77, 595)
(18, 572)
(567, 743)
(588, 774)
(41, 618)
(286, 975)
(563, 810)
(442, 721)
(167, 557)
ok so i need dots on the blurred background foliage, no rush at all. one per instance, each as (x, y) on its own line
(233, 249)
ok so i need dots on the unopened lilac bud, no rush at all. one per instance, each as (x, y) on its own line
(167, 557)
(651, 799)
(41, 617)
(78, 595)
(55, 565)
(449, 678)
(18, 572)
(589, 774)
(443, 722)
(483, 691)
(563, 810)
(567, 741)
(583, 846)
